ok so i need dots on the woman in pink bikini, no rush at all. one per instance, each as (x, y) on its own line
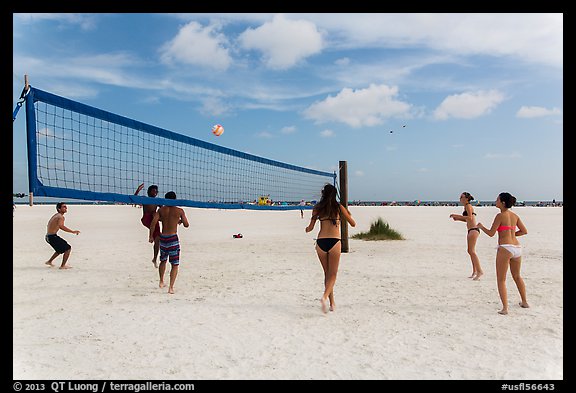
(509, 249)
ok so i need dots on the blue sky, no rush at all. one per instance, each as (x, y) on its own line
(474, 101)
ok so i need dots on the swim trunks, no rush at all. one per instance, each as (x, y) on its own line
(170, 247)
(147, 220)
(58, 244)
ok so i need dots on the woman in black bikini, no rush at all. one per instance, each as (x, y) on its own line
(469, 217)
(328, 246)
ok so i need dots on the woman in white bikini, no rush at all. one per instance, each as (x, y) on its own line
(469, 217)
(509, 249)
(328, 245)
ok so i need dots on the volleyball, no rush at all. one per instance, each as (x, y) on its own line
(217, 130)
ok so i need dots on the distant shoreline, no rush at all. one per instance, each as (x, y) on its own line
(542, 203)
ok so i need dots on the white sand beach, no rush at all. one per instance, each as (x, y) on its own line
(249, 308)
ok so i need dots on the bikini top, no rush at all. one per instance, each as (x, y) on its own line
(505, 228)
(328, 218)
(465, 213)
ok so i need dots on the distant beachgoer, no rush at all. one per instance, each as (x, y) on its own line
(171, 217)
(469, 217)
(148, 212)
(328, 245)
(302, 203)
(509, 249)
(59, 245)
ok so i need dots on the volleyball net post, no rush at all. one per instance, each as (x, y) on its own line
(343, 165)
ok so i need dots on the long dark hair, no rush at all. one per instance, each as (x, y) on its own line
(507, 199)
(328, 206)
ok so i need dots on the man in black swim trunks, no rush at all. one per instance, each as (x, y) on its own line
(59, 245)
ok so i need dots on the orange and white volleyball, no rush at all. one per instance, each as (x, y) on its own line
(217, 130)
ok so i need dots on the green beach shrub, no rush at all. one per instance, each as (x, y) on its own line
(379, 230)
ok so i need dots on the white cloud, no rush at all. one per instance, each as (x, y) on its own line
(468, 105)
(288, 130)
(214, 106)
(344, 61)
(532, 37)
(265, 135)
(502, 156)
(360, 107)
(67, 76)
(197, 45)
(537, 111)
(282, 41)
(85, 21)
(327, 133)
(359, 173)
(103, 68)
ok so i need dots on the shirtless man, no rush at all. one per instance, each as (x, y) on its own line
(171, 217)
(59, 245)
(148, 212)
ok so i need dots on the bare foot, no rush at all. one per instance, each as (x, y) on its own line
(155, 263)
(472, 275)
(49, 263)
(524, 305)
(161, 285)
(324, 305)
(503, 312)
(332, 307)
(478, 275)
(171, 290)
(65, 267)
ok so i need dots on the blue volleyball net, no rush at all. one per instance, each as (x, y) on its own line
(80, 152)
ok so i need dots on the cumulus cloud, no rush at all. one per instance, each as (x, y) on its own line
(468, 105)
(327, 133)
(197, 45)
(283, 42)
(537, 111)
(361, 107)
